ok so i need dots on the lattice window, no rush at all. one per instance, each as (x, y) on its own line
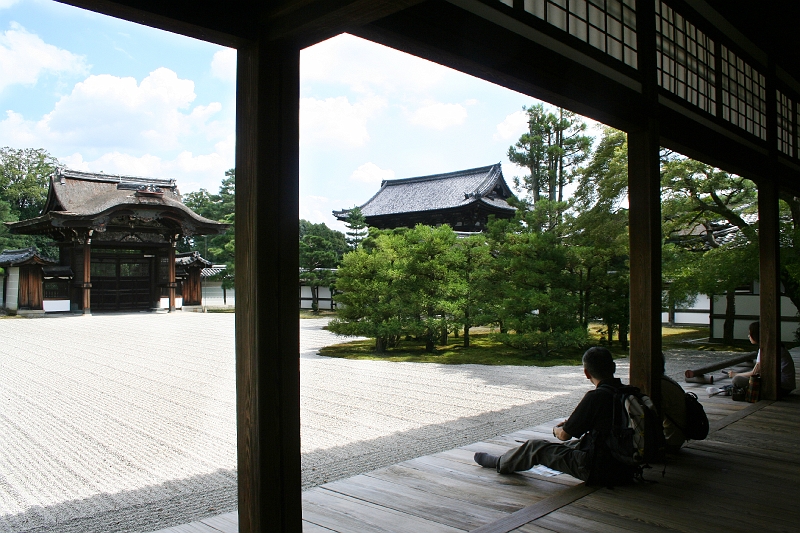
(608, 25)
(785, 137)
(685, 59)
(744, 100)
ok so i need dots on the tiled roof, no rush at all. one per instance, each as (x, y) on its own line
(23, 256)
(90, 197)
(439, 191)
(85, 193)
(212, 271)
(191, 259)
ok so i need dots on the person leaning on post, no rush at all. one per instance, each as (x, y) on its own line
(787, 384)
(587, 458)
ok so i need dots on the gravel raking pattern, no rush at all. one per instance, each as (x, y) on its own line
(127, 422)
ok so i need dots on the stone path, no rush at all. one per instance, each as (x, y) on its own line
(127, 422)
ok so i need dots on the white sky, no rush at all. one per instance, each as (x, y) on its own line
(106, 95)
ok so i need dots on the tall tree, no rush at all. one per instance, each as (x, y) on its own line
(698, 202)
(539, 304)
(321, 250)
(473, 287)
(597, 237)
(431, 280)
(220, 207)
(357, 229)
(368, 279)
(552, 150)
(24, 182)
(24, 179)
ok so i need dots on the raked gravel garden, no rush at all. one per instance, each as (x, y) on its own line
(127, 422)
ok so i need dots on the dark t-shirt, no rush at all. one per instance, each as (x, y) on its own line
(591, 422)
(594, 412)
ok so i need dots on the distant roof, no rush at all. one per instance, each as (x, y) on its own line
(23, 256)
(483, 185)
(213, 270)
(186, 259)
(84, 199)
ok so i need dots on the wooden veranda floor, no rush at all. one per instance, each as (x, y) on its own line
(744, 477)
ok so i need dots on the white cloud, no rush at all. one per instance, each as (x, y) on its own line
(318, 209)
(371, 173)
(24, 57)
(109, 113)
(368, 67)
(338, 121)
(439, 116)
(223, 65)
(191, 171)
(512, 127)
(7, 3)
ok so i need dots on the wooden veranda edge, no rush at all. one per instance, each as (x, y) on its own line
(537, 510)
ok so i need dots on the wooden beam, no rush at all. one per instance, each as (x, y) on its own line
(226, 24)
(769, 294)
(313, 20)
(267, 249)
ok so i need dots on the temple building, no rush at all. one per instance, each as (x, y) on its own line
(116, 237)
(463, 199)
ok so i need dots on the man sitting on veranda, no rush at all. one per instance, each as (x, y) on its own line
(588, 458)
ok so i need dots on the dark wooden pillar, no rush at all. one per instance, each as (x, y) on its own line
(87, 274)
(267, 328)
(644, 219)
(644, 197)
(769, 298)
(172, 284)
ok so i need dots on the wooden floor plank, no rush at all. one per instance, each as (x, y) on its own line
(194, 527)
(345, 514)
(537, 510)
(608, 518)
(226, 523)
(308, 527)
(563, 522)
(504, 495)
(449, 510)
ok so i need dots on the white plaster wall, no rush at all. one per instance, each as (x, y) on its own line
(702, 302)
(55, 306)
(164, 303)
(212, 295)
(12, 289)
(691, 318)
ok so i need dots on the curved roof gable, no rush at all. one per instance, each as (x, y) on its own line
(88, 197)
(23, 256)
(439, 191)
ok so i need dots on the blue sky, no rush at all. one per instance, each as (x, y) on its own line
(102, 94)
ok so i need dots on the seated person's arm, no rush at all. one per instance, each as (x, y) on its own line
(559, 433)
(756, 370)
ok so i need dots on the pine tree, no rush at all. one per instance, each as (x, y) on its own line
(357, 230)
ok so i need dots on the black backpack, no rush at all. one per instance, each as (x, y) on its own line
(637, 437)
(696, 427)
